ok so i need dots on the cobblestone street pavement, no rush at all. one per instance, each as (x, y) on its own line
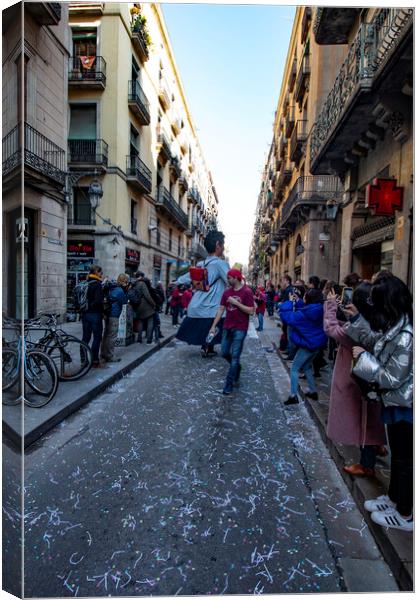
(162, 486)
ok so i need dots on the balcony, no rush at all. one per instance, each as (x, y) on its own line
(86, 8)
(138, 174)
(167, 204)
(285, 173)
(87, 72)
(306, 20)
(164, 94)
(373, 61)
(290, 121)
(183, 183)
(176, 123)
(189, 232)
(175, 168)
(302, 79)
(138, 103)
(44, 13)
(44, 161)
(198, 251)
(88, 154)
(163, 147)
(333, 25)
(278, 192)
(292, 75)
(297, 141)
(140, 41)
(310, 192)
(86, 217)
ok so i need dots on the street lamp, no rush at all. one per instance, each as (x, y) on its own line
(95, 194)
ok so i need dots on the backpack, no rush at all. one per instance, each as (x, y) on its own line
(200, 278)
(80, 294)
(157, 297)
(134, 297)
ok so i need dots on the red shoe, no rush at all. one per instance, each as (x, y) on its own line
(381, 451)
(359, 471)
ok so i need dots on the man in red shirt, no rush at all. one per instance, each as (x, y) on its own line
(238, 301)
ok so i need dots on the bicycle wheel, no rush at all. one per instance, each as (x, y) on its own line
(72, 357)
(42, 378)
(10, 375)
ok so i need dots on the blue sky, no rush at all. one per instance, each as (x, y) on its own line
(231, 60)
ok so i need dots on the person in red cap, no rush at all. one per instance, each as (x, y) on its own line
(261, 300)
(238, 301)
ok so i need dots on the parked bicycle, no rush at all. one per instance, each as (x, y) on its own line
(22, 363)
(72, 356)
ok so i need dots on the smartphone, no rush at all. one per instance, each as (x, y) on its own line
(347, 296)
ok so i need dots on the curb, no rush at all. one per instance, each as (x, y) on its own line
(392, 543)
(100, 387)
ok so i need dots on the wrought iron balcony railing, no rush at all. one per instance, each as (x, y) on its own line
(371, 49)
(164, 147)
(175, 167)
(40, 153)
(311, 191)
(138, 174)
(86, 217)
(166, 201)
(138, 102)
(88, 152)
(87, 71)
(183, 183)
(198, 250)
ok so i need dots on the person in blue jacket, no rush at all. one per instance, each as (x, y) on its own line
(117, 297)
(305, 321)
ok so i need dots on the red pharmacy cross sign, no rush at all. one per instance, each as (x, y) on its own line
(384, 197)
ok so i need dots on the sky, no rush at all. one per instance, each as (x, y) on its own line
(231, 60)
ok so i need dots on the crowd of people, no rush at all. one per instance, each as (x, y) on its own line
(365, 328)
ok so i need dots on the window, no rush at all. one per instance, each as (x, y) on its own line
(170, 240)
(135, 69)
(82, 210)
(134, 217)
(82, 122)
(134, 141)
(22, 98)
(179, 245)
(84, 41)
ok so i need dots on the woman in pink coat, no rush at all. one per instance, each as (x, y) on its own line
(352, 420)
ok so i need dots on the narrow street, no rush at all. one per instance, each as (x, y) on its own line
(162, 486)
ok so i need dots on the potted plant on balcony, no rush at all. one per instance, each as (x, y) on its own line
(139, 25)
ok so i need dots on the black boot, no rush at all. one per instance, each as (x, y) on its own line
(291, 400)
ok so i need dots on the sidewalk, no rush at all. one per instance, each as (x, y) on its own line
(396, 546)
(71, 395)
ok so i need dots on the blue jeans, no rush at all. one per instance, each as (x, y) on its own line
(260, 321)
(92, 324)
(232, 343)
(303, 361)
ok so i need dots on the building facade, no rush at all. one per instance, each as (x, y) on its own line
(131, 131)
(336, 193)
(34, 158)
(364, 134)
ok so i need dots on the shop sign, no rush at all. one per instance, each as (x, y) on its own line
(157, 261)
(79, 249)
(384, 197)
(132, 256)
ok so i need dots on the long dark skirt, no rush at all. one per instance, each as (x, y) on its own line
(194, 331)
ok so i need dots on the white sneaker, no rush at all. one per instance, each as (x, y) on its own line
(393, 519)
(379, 504)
